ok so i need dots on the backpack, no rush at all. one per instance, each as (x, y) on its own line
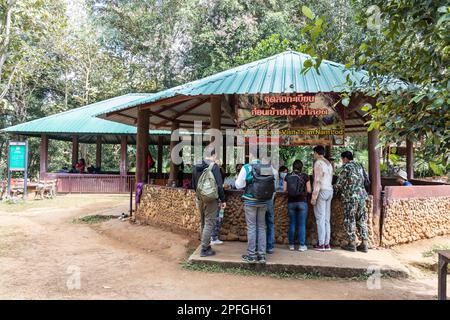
(262, 186)
(366, 178)
(294, 188)
(207, 186)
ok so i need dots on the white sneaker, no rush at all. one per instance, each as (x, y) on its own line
(292, 248)
(303, 248)
(213, 242)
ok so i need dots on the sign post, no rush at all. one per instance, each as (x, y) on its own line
(18, 161)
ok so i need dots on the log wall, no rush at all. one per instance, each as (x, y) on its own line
(175, 208)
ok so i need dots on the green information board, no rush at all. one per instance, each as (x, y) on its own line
(17, 156)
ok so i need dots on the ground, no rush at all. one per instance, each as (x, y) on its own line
(44, 249)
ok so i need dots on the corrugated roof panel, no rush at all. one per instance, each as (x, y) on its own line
(81, 120)
(275, 74)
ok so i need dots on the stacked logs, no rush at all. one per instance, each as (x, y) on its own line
(174, 207)
(407, 220)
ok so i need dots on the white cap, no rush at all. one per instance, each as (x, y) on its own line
(402, 174)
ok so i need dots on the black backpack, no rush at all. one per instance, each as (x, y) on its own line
(366, 178)
(262, 186)
(294, 188)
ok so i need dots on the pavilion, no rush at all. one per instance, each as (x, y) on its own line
(213, 99)
(80, 125)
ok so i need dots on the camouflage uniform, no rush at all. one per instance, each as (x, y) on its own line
(350, 185)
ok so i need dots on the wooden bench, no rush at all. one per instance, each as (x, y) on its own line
(45, 189)
(444, 258)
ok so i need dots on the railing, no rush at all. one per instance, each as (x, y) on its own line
(93, 183)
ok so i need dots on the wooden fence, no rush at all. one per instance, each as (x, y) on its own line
(94, 183)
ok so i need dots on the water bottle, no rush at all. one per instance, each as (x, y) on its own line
(221, 212)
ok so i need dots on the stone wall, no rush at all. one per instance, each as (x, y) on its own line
(414, 213)
(176, 208)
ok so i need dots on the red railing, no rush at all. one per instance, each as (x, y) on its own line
(93, 183)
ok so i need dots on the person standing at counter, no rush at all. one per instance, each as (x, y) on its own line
(321, 197)
(297, 185)
(208, 184)
(258, 181)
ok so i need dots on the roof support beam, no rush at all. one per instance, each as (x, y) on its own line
(179, 114)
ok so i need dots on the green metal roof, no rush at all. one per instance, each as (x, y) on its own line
(281, 73)
(82, 122)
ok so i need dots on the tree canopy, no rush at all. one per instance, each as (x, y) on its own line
(57, 54)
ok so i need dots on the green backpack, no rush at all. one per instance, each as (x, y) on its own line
(207, 186)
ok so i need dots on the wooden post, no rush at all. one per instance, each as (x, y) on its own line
(74, 149)
(43, 164)
(443, 258)
(143, 126)
(215, 117)
(215, 112)
(98, 152)
(160, 156)
(173, 175)
(123, 156)
(409, 159)
(327, 152)
(374, 171)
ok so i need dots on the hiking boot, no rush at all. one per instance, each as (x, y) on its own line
(262, 259)
(351, 246)
(208, 252)
(248, 259)
(363, 247)
(327, 247)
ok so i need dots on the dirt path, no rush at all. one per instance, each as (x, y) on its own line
(42, 250)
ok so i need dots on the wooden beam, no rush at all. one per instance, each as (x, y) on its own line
(74, 149)
(123, 156)
(178, 114)
(143, 126)
(43, 163)
(374, 170)
(98, 152)
(171, 100)
(409, 159)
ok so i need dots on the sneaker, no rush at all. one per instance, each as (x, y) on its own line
(320, 248)
(269, 251)
(262, 259)
(248, 259)
(208, 252)
(213, 242)
(327, 247)
(349, 247)
(302, 248)
(291, 247)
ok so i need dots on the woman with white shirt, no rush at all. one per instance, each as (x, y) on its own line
(321, 197)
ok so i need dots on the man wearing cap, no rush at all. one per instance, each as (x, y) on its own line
(402, 179)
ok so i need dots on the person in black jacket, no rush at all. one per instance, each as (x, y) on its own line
(208, 210)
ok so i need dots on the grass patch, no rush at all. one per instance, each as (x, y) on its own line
(96, 218)
(434, 249)
(278, 275)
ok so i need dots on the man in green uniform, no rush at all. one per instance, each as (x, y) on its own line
(350, 185)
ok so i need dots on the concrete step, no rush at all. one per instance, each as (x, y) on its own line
(335, 263)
